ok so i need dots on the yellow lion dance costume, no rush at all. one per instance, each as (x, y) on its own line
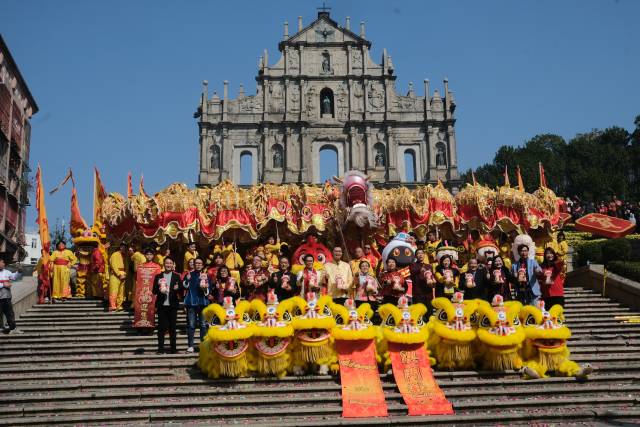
(500, 334)
(313, 345)
(272, 336)
(223, 353)
(545, 349)
(353, 324)
(403, 324)
(451, 334)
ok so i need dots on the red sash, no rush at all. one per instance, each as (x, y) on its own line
(60, 261)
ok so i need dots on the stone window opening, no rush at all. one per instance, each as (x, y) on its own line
(410, 166)
(329, 158)
(441, 154)
(278, 156)
(246, 168)
(326, 102)
(215, 157)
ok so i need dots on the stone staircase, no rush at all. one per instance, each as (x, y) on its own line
(76, 364)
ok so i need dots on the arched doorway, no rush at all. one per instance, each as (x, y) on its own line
(410, 166)
(328, 163)
(326, 103)
(246, 168)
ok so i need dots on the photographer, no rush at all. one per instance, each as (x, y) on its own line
(6, 308)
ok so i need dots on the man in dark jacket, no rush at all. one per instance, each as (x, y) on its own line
(283, 281)
(474, 281)
(166, 287)
(420, 269)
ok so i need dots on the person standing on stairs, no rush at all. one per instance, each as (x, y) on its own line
(197, 286)
(166, 286)
(6, 308)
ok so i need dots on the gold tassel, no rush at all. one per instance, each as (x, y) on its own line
(311, 354)
(494, 361)
(454, 356)
(550, 361)
(274, 366)
(234, 368)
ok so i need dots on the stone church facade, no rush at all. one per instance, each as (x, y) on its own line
(326, 93)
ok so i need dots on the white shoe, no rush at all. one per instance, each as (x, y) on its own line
(16, 331)
(190, 350)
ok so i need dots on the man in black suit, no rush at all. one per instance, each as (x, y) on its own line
(166, 286)
(283, 281)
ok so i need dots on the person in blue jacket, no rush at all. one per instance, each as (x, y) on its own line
(525, 272)
(198, 286)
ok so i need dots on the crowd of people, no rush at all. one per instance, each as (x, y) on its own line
(420, 270)
(613, 207)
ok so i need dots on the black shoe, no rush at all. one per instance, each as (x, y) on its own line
(160, 351)
(173, 351)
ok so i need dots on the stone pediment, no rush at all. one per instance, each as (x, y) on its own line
(324, 30)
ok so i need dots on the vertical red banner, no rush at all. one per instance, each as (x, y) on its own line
(414, 377)
(144, 300)
(362, 394)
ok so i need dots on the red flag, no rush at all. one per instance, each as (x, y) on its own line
(543, 179)
(66, 179)
(77, 224)
(129, 186)
(99, 194)
(43, 230)
(506, 177)
(520, 183)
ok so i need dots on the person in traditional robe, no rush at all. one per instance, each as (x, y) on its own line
(44, 280)
(338, 277)
(144, 299)
(358, 256)
(119, 267)
(61, 261)
(254, 280)
(96, 272)
(137, 259)
(431, 246)
(163, 252)
(190, 254)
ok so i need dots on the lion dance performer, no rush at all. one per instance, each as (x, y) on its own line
(313, 347)
(272, 336)
(223, 352)
(545, 349)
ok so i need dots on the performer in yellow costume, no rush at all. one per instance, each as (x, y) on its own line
(118, 266)
(190, 254)
(61, 261)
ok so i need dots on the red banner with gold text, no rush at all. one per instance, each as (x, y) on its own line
(145, 301)
(413, 375)
(362, 394)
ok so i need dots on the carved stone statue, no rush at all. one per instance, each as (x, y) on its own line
(326, 105)
(277, 157)
(379, 159)
(215, 157)
(326, 63)
(441, 155)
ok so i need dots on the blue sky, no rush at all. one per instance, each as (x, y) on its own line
(117, 82)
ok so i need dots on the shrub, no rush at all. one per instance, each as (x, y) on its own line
(628, 269)
(589, 252)
(616, 250)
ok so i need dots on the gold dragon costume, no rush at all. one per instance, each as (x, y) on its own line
(500, 334)
(272, 336)
(85, 244)
(402, 324)
(451, 333)
(224, 351)
(545, 348)
(313, 344)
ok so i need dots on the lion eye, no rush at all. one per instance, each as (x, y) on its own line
(256, 316)
(390, 321)
(286, 316)
(474, 319)
(297, 311)
(530, 320)
(246, 318)
(516, 321)
(215, 320)
(326, 310)
(442, 315)
(485, 322)
(339, 319)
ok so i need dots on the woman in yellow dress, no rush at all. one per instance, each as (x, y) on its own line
(61, 261)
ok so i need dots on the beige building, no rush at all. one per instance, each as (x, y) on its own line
(325, 93)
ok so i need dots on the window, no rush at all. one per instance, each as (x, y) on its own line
(278, 156)
(34, 243)
(246, 168)
(215, 157)
(441, 154)
(410, 166)
(328, 163)
(326, 102)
